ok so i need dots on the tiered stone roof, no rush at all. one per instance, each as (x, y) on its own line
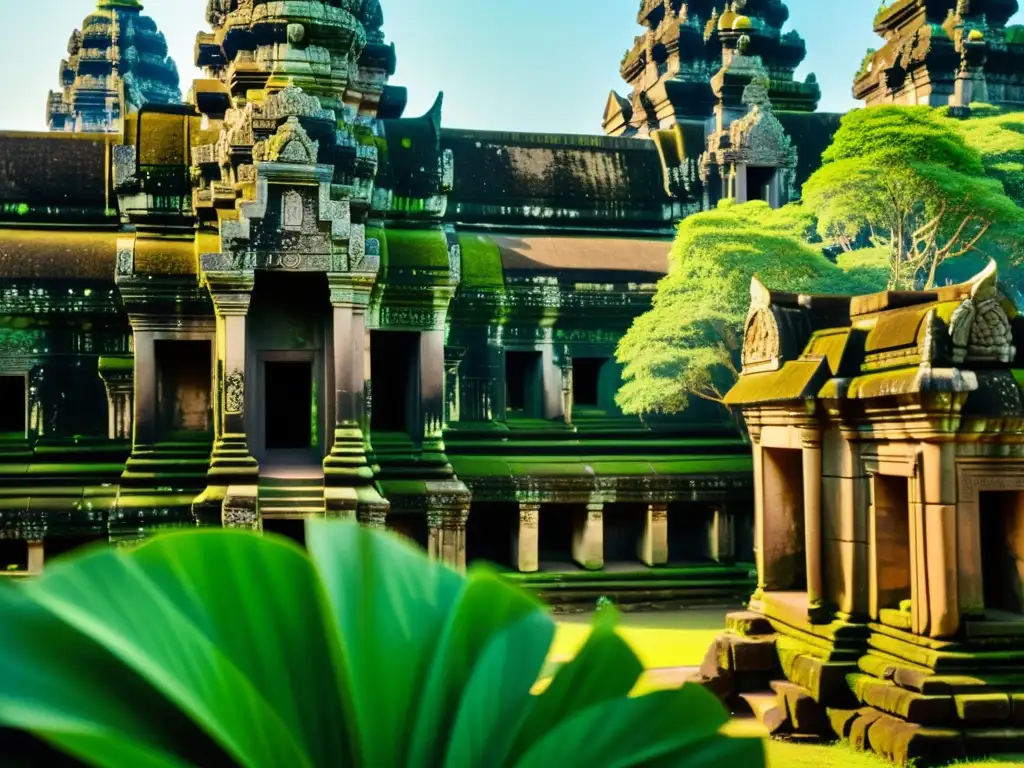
(117, 60)
(670, 65)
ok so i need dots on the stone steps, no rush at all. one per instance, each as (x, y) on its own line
(291, 498)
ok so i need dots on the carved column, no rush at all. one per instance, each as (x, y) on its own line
(36, 557)
(588, 538)
(118, 378)
(231, 462)
(432, 392)
(811, 440)
(721, 535)
(144, 424)
(527, 540)
(754, 431)
(348, 476)
(552, 403)
(446, 539)
(654, 542)
(941, 537)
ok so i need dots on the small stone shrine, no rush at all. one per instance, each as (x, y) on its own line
(888, 439)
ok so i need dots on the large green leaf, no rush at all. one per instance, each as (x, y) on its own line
(390, 606)
(211, 620)
(218, 648)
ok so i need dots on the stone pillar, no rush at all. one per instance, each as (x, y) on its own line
(36, 557)
(446, 540)
(938, 467)
(759, 538)
(527, 541)
(495, 406)
(811, 440)
(654, 541)
(144, 426)
(552, 403)
(588, 538)
(346, 464)
(118, 378)
(742, 193)
(231, 463)
(721, 535)
(241, 508)
(432, 392)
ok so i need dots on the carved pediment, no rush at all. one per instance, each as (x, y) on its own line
(980, 327)
(291, 144)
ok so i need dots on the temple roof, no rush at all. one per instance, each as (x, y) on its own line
(118, 59)
(53, 178)
(523, 180)
(669, 66)
(954, 339)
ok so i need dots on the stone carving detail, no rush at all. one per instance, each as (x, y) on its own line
(291, 210)
(447, 170)
(242, 517)
(529, 514)
(125, 257)
(291, 144)
(234, 391)
(979, 327)
(294, 102)
(357, 249)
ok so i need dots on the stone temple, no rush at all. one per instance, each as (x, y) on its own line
(278, 297)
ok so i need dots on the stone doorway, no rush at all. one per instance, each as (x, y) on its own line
(782, 530)
(1002, 551)
(893, 578)
(288, 405)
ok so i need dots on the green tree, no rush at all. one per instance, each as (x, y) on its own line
(907, 179)
(688, 344)
(214, 648)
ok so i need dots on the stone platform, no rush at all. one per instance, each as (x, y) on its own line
(910, 699)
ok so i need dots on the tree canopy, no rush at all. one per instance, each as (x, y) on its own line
(688, 344)
(907, 179)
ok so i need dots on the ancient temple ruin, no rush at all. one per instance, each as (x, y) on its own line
(117, 61)
(283, 299)
(944, 52)
(887, 433)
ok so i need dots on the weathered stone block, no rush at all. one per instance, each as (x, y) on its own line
(805, 714)
(861, 725)
(753, 654)
(748, 623)
(841, 721)
(908, 705)
(991, 708)
(824, 681)
(907, 743)
(770, 710)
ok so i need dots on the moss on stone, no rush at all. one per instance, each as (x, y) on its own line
(481, 263)
(417, 249)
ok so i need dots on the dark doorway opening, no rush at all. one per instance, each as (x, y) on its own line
(413, 528)
(394, 368)
(492, 533)
(1002, 551)
(759, 183)
(586, 381)
(294, 529)
(12, 404)
(623, 532)
(288, 400)
(13, 555)
(184, 375)
(524, 384)
(59, 546)
(688, 532)
(556, 525)
(785, 548)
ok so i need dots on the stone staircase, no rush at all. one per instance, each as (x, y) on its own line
(285, 498)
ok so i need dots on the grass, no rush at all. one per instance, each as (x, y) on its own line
(680, 639)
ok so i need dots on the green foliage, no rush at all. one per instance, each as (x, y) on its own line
(907, 179)
(687, 345)
(999, 138)
(227, 648)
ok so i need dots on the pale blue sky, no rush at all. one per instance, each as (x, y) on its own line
(524, 65)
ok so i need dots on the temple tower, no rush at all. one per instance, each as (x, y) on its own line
(944, 52)
(670, 65)
(287, 176)
(117, 62)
